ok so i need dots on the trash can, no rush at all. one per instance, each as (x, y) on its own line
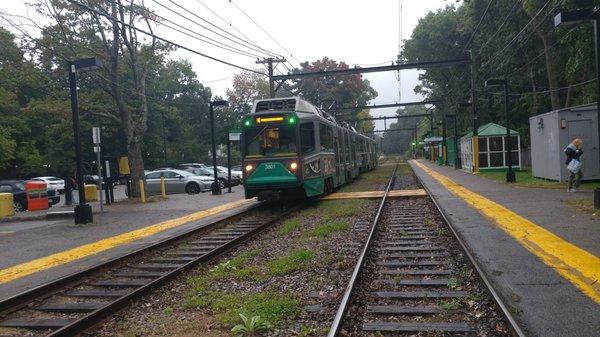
(91, 193)
(37, 196)
(6, 205)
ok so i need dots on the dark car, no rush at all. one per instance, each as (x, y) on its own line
(17, 188)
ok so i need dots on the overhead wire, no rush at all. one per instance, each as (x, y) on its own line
(267, 33)
(501, 25)
(237, 30)
(143, 31)
(210, 30)
(477, 27)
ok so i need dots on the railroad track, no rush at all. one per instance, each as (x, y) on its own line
(410, 280)
(70, 305)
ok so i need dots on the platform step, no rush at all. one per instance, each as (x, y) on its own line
(403, 310)
(421, 294)
(416, 327)
(36, 324)
(70, 307)
(97, 293)
(119, 283)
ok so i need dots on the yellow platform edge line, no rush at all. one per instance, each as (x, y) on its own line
(575, 264)
(67, 256)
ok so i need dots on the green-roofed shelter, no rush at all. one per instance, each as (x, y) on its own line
(492, 145)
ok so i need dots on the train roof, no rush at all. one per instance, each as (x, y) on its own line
(297, 104)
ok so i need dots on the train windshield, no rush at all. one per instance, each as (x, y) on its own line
(270, 141)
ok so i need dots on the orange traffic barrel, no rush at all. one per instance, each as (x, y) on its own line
(37, 195)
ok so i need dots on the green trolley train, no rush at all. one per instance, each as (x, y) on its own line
(292, 149)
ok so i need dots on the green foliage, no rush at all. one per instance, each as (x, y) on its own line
(449, 305)
(290, 262)
(272, 307)
(526, 179)
(250, 326)
(454, 283)
(328, 227)
(289, 226)
(168, 311)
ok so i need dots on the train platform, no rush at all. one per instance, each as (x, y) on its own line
(39, 250)
(541, 255)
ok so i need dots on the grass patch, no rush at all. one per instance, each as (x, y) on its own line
(290, 263)
(327, 227)
(453, 304)
(273, 307)
(289, 226)
(253, 273)
(369, 180)
(526, 179)
(584, 205)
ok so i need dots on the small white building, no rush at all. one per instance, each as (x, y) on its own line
(492, 148)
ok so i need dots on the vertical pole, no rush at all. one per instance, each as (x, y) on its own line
(456, 157)
(431, 146)
(163, 188)
(510, 174)
(100, 176)
(228, 164)
(271, 81)
(164, 136)
(83, 211)
(215, 187)
(597, 47)
(475, 137)
(142, 191)
(444, 137)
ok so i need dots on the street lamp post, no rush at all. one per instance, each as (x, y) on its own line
(83, 211)
(215, 187)
(510, 174)
(573, 17)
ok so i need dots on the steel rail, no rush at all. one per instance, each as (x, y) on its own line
(344, 304)
(514, 326)
(22, 299)
(98, 315)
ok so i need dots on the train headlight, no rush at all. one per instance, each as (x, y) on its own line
(293, 166)
(249, 168)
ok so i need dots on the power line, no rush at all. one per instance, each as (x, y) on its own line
(210, 30)
(502, 25)
(269, 35)
(238, 31)
(544, 91)
(109, 17)
(215, 43)
(477, 27)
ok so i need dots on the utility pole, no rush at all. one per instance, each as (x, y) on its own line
(269, 62)
(475, 137)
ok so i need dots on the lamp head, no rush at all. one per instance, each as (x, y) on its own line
(219, 103)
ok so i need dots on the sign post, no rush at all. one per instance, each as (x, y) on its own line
(234, 134)
(96, 141)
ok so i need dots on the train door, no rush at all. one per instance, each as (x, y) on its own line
(336, 150)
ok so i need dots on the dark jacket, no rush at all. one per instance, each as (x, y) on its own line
(572, 153)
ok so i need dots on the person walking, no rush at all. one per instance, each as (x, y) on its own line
(573, 152)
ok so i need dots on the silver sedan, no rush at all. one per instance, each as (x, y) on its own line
(177, 181)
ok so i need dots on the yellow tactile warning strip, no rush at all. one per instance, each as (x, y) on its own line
(575, 264)
(33, 266)
(375, 194)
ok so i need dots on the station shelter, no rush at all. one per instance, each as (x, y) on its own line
(492, 148)
(434, 143)
(451, 151)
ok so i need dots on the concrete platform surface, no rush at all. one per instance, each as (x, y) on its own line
(27, 242)
(549, 296)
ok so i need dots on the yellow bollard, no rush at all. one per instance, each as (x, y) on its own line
(142, 191)
(163, 188)
(7, 207)
(91, 192)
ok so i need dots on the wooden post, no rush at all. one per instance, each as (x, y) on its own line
(142, 191)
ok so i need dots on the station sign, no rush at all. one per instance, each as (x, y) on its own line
(234, 134)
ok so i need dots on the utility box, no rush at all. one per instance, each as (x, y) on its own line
(551, 132)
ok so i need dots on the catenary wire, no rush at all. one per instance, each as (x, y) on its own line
(109, 17)
(477, 27)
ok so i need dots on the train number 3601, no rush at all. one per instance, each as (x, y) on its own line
(269, 166)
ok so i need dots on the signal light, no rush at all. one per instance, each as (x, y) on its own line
(292, 120)
(247, 122)
(293, 166)
(249, 168)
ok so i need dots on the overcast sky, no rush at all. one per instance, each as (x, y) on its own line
(357, 32)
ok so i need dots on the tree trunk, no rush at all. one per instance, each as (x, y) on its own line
(536, 103)
(551, 73)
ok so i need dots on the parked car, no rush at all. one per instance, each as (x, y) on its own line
(177, 181)
(208, 172)
(235, 174)
(187, 165)
(17, 188)
(236, 168)
(53, 183)
(93, 179)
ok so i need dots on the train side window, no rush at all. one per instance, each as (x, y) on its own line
(326, 137)
(307, 137)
